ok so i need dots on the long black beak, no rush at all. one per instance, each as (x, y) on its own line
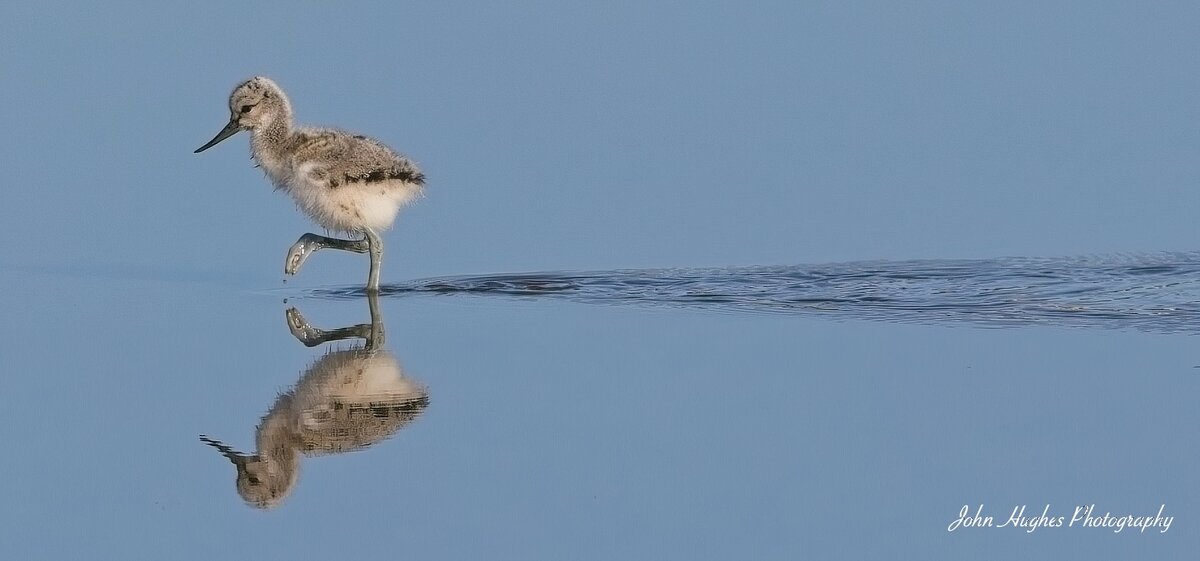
(231, 129)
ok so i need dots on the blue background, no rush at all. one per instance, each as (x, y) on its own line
(139, 282)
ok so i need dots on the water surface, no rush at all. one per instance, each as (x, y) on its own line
(1154, 292)
(844, 410)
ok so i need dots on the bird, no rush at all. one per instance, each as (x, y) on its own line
(343, 181)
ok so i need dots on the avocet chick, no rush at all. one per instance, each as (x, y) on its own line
(343, 181)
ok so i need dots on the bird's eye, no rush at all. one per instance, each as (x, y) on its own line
(246, 108)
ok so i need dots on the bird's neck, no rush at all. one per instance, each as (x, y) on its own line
(267, 144)
(274, 133)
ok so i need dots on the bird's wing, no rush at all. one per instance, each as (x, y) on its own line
(339, 158)
(316, 153)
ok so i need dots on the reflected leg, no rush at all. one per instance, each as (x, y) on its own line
(377, 335)
(311, 336)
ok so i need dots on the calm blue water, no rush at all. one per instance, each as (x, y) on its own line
(843, 410)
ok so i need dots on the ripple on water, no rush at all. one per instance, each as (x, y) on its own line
(1156, 292)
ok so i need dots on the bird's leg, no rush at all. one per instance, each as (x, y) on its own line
(308, 244)
(375, 246)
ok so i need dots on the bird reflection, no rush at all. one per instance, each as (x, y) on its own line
(349, 399)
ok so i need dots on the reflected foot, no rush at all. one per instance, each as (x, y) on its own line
(301, 329)
(312, 336)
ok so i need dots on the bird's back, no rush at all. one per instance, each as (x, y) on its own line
(344, 181)
(343, 157)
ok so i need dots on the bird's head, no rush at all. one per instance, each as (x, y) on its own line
(255, 103)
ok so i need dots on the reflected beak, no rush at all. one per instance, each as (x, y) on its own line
(232, 455)
(231, 129)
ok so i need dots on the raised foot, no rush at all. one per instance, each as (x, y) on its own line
(307, 245)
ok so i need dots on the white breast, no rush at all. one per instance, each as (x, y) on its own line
(347, 207)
